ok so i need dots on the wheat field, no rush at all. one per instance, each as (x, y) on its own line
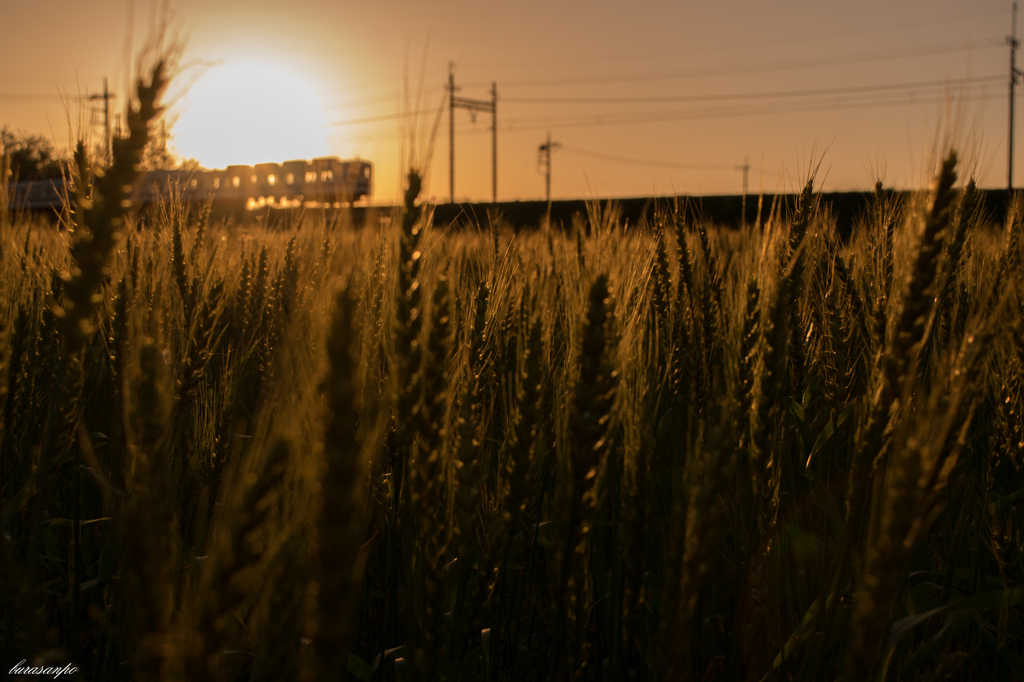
(662, 451)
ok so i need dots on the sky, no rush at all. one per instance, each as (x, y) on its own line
(643, 98)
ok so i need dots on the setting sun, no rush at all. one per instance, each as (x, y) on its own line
(250, 113)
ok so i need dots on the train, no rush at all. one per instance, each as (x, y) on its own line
(327, 182)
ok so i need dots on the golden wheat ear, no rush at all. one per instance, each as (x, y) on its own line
(234, 574)
(99, 213)
(338, 518)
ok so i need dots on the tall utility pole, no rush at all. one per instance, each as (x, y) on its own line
(451, 130)
(473, 106)
(106, 97)
(545, 154)
(1012, 41)
(746, 171)
(494, 142)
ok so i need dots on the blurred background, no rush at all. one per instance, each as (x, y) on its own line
(639, 99)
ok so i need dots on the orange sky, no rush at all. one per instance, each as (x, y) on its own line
(723, 64)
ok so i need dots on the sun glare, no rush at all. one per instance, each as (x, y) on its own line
(250, 113)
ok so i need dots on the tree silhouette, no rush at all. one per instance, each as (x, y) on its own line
(29, 157)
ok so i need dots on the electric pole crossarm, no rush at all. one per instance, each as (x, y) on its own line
(106, 97)
(479, 105)
(545, 152)
(473, 106)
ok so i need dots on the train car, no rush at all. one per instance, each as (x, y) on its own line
(37, 195)
(326, 182)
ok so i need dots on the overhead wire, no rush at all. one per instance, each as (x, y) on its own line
(30, 97)
(771, 94)
(647, 162)
(724, 70)
(382, 117)
(525, 125)
(799, 64)
(796, 63)
(390, 83)
(917, 89)
(658, 117)
(764, 102)
(786, 40)
(736, 68)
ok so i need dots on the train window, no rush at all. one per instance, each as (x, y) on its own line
(290, 178)
(310, 176)
(271, 179)
(216, 183)
(366, 172)
(236, 181)
(326, 176)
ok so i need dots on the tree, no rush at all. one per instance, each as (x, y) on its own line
(156, 156)
(159, 156)
(29, 157)
(33, 157)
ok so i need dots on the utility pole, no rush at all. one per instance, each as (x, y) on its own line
(746, 171)
(473, 106)
(1012, 41)
(106, 118)
(106, 97)
(494, 142)
(451, 131)
(545, 154)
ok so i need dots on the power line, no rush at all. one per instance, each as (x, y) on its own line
(693, 98)
(754, 95)
(395, 82)
(791, 40)
(777, 66)
(525, 125)
(736, 112)
(718, 112)
(901, 88)
(781, 65)
(795, 63)
(648, 162)
(745, 166)
(382, 117)
(28, 97)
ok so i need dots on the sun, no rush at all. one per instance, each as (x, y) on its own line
(248, 113)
